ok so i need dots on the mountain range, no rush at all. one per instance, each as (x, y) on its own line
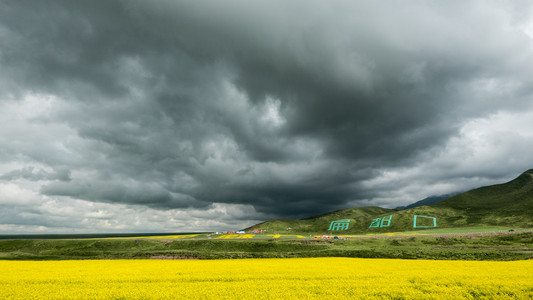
(427, 201)
(508, 205)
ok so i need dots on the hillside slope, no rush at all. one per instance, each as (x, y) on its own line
(500, 204)
(509, 204)
(427, 201)
(320, 223)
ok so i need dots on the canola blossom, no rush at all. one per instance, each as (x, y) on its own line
(307, 278)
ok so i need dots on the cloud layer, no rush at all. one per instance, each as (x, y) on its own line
(235, 112)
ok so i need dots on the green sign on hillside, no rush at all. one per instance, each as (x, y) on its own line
(381, 222)
(431, 224)
(339, 225)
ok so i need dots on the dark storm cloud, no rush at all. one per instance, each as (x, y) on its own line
(119, 192)
(285, 105)
(30, 173)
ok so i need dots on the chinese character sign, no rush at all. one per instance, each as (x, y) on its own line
(381, 222)
(339, 225)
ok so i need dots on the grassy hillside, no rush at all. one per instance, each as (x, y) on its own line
(427, 201)
(500, 204)
(509, 204)
(358, 216)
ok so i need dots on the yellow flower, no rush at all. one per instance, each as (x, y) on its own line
(306, 278)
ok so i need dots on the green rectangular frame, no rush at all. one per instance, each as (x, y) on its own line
(434, 222)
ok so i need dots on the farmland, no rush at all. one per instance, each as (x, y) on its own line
(447, 246)
(314, 278)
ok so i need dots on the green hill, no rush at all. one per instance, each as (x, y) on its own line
(509, 205)
(500, 204)
(321, 223)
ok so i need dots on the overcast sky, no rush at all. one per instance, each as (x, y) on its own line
(170, 115)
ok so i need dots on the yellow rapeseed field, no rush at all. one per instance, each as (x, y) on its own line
(312, 278)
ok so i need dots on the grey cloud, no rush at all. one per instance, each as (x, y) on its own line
(286, 106)
(148, 194)
(33, 174)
